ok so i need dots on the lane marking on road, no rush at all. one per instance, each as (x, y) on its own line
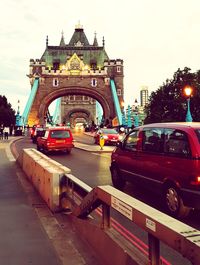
(103, 155)
(9, 153)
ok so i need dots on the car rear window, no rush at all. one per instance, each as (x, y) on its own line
(59, 134)
(109, 131)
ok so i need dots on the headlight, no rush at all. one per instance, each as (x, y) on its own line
(105, 136)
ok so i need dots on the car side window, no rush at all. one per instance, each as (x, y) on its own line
(176, 143)
(131, 141)
(153, 140)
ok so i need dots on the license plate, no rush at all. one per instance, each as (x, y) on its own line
(60, 141)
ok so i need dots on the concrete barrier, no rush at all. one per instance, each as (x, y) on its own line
(45, 175)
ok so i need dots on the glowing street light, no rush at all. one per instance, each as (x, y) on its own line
(188, 92)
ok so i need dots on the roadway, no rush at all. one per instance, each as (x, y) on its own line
(92, 167)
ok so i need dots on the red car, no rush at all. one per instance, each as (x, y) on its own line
(56, 139)
(165, 158)
(111, 136)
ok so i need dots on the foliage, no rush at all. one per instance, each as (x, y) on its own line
(169, 103)
(7, 114)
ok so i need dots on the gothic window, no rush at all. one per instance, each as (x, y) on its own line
(94, 82)
(93, 64)
(55, 82)
(118, 69)
(56, 65)
(78, 98)
(119, 92)
(107, 81)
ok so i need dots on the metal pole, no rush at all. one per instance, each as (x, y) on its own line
(105, 216)
(154, 250)
(188, 115)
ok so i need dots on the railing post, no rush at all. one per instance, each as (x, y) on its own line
(105, 216)
(154, 250)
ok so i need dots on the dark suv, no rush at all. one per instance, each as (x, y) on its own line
(165, 158)
(38, 132)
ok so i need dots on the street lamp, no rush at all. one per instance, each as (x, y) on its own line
(188, 92)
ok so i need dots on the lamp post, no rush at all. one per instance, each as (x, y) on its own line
(188, 92)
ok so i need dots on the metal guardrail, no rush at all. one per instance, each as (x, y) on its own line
(159, 226)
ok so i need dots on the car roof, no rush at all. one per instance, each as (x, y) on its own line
(172, 125)
(58, 128)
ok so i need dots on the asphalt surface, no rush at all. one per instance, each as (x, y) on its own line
(30, 233)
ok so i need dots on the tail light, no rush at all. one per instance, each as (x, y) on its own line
(196, 181)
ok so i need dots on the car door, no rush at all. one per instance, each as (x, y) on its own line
(127, 156)
(151, 158)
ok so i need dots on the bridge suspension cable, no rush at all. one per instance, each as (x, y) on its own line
(116, 101)
(30, 101)
(57, 112)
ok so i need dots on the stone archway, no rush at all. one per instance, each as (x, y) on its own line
(78, 112)
(50, 97)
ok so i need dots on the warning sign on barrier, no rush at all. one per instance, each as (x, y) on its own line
(121, 207)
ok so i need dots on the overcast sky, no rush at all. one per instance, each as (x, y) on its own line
(153, 37)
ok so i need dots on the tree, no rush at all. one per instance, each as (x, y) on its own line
(7, 114)
(169, 104)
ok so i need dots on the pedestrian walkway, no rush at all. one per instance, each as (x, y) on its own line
(23, 239)
(30, 233)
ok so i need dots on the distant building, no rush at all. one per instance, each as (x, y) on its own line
(144, 96)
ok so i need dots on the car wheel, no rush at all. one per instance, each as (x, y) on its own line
(38, 147)
(117, 180)
(45, 150)
(68, 151)
(174, 203)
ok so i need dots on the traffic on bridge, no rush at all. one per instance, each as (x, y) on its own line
(129, 189)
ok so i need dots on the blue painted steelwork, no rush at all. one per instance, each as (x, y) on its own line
(49, 117)
(30, 101)
(129, 122)
(124, 119)
(99, 113)
(57, 112)
(188, 115)
(116, 101)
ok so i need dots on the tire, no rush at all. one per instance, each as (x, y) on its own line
(45, 150)
(174, 203)
(68, 151)
(117, 180)
(38, 148)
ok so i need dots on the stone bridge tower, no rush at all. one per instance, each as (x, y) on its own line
(73, 70)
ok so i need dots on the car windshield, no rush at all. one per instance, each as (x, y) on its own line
(109, 131)
(60, 134)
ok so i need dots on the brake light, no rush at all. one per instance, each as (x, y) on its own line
(196, 181)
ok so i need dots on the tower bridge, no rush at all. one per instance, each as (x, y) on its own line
(75, 69)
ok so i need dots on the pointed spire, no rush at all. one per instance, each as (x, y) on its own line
(47, 41)
(62, 41)
(103, 41)
(79, 26)
(18, 107)
(95, 43)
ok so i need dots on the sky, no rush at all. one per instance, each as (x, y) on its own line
(153, 38)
